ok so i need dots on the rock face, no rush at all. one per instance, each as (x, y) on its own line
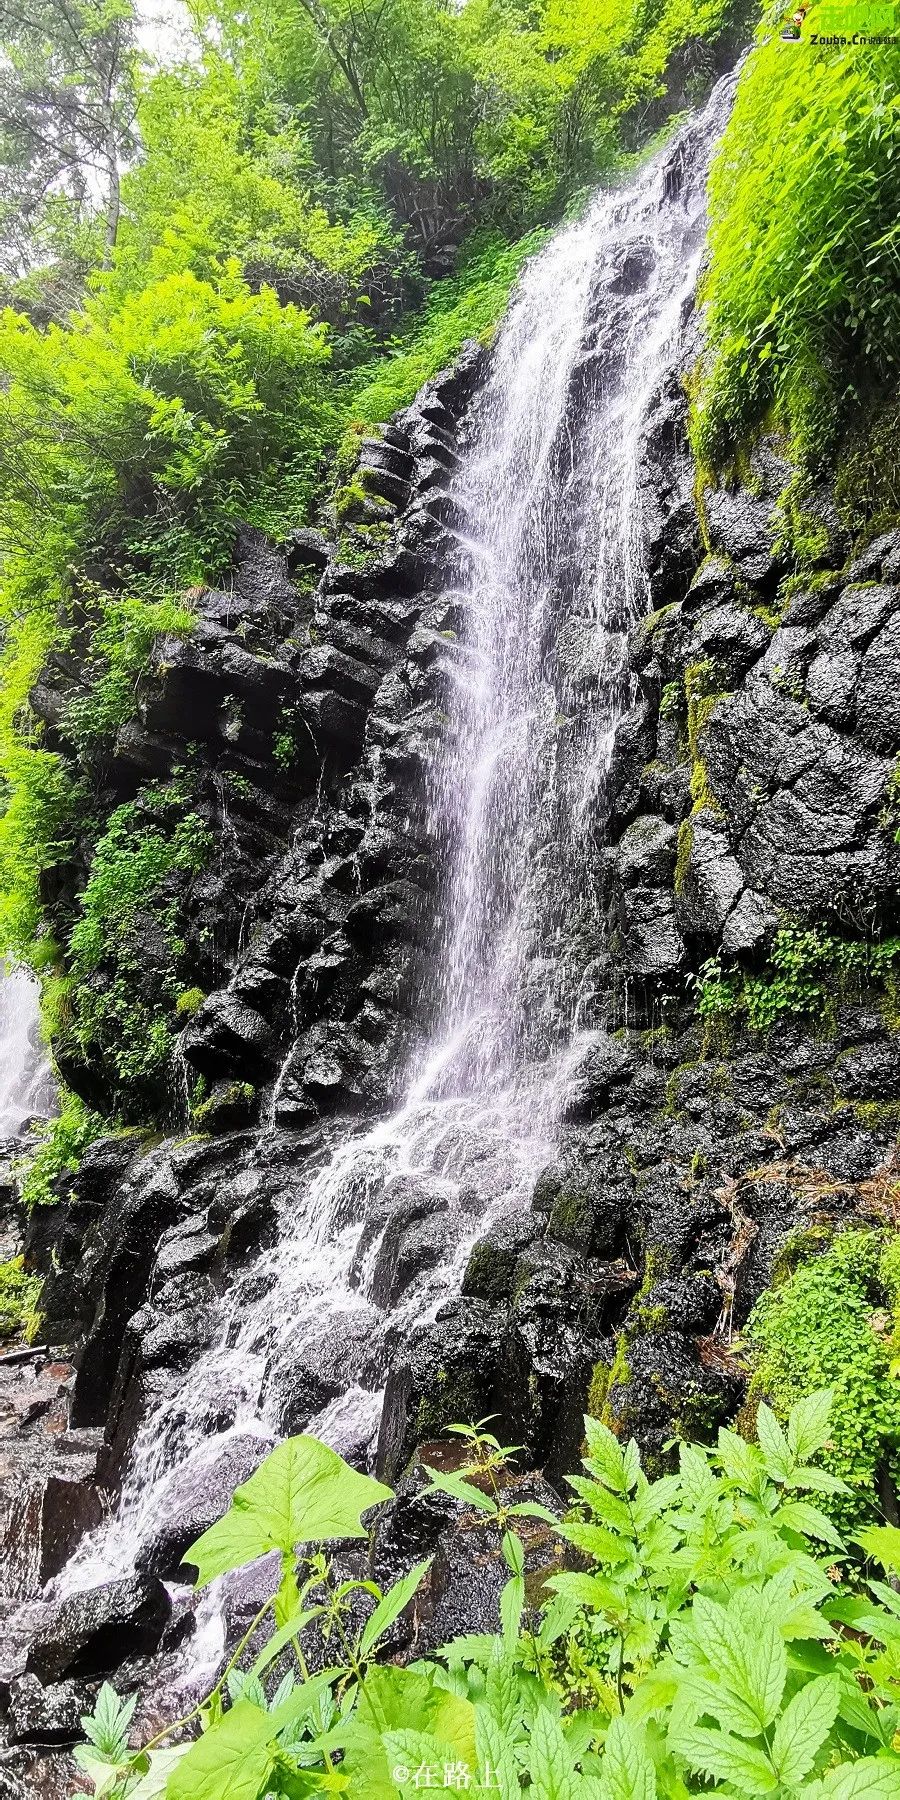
(750, 792)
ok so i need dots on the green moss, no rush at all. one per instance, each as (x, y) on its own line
(684, 852)
(867, 481)
(877, 1115)
(603, 1380)
(189, 1001)
(19, 1297)
(800, 1247)
(834, 1321)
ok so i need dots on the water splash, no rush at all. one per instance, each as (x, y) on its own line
(547, 579)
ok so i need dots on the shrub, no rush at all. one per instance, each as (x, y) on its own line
(718, 1631)
(150, 848)
(65, 1140)
(808, 968)
(802, 291)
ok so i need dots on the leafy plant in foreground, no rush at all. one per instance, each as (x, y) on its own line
(719, 1638)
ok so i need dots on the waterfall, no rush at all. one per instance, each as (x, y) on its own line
(26, 1083)
(547, 580)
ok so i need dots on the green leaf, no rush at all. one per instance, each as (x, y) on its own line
(285, 1635)
(751, 1658)
(882, 1542)
(230, 1762)
(872, 1778)
(303, 1493)
(418, 1752)
(706, 1696)
(773, 1444)
(513, 1552)
(803, 1728)
(605, 1454)
(501, 1687)
(550, 1761)
(155, 1783)
(512, 1604)
(460, 1489)
(393, 1700)
(741, 1461)
(727, 1759)
(628, 1772)
(800, 1515)
(496, 1762)
(807, 1426)
(391, 1606)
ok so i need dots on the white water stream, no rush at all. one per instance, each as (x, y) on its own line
(549, 579)
(26, 1083)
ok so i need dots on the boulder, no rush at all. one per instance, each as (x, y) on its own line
(90, 1633)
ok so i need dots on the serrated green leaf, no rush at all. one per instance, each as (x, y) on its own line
(706, 1696)
(496, 1762)
(550, 1762)
(882, 1542)
(741, 1461)
(800, 1515)
(807, 1426)
(628, 1771)
(753, 1662)
(303, 1493)
(776, 1451)
(605, 1454)
(502, 1687)
(512, 1604)
(872, 1778)
(728, 1759)
(803, 1728)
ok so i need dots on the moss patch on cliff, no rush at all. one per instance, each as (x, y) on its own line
(808, 970)
(835, 1322)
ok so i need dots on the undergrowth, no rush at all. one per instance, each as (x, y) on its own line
(835, 1321)
(716, 1635)
(808, 969)
(64, 1140)
(19, 1298)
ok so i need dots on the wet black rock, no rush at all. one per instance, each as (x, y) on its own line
(48, 1715)
(92, 1632)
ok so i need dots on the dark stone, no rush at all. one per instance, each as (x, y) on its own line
(51, 1715)
(878, 693)
(228, 1037)
(446, 1374)
(91, 1633)
(491, 1268)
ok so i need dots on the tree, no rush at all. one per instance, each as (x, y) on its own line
(67, 112)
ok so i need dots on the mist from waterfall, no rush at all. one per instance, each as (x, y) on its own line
(547, 581)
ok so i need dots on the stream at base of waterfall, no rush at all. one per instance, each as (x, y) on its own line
(549, 551)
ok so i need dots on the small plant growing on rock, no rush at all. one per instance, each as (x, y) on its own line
(720, 1637)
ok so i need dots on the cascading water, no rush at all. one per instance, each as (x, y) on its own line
(26, 1083)
(547, 582)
